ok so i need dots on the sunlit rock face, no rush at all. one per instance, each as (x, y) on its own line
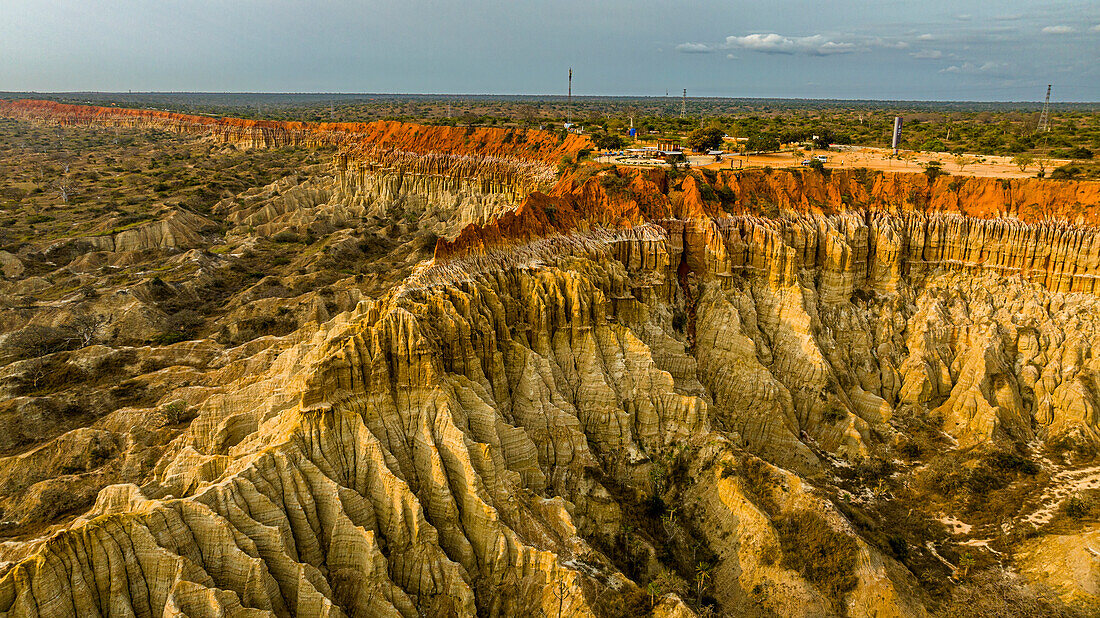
(594, 382)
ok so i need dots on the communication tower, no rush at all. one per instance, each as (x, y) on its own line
(684, 104)
(895, 142)
(569, 104)
(1044, 118)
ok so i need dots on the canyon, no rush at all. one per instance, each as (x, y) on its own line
(565, 388)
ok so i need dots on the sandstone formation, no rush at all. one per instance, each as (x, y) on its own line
(623, 392)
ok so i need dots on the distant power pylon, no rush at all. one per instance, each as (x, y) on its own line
(1044, 118)
(684, 104)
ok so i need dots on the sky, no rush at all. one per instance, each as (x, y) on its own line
(1001, 50)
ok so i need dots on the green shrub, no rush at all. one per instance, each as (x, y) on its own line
(654, 507)
(286, 236)
(1010, 462)
(999, 593)
(822, 555)
(898, 546)
(1076, 507)
(1065, 172)
(612, 182)
(982, 479)
(833, 414)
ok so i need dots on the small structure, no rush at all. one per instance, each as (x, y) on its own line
(668, 145)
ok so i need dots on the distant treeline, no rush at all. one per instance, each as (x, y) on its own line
(1000, 128)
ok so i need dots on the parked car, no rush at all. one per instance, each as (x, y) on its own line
(806, 162)
(821, 158)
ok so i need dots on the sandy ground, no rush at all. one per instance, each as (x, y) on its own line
(882, 159)
(1065, 485)
(875, 159)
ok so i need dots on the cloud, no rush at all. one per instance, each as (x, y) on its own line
(694, 48)
(973, 68)
(1095, 28)
(1058, 30)
(927, 54)
(881, 42)
(816, 45)
(926, 37)
(963, 17)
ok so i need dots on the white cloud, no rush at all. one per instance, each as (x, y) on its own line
(1095, 28)
(973, 68)
(816, 45)
(927, 54)
(881, 42)
(1058, 30)
(926, 37)
(731, 56)
(694, 48)
(963, 17)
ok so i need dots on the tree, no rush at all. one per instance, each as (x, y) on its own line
(1023, 160)
(653, 589)
(36, 340)
(933, 169)
(65, 187)
(608, 141)
(702, 574)
(1042, 164)
(710, 138)
(561, 592)
(85, 328)
(175, 412)
(1081, 153)
(961, 161)
(762, 142)
(529, 115)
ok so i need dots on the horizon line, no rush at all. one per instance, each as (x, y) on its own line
(563, 96)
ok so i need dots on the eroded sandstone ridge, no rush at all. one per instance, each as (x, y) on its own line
(624, 392)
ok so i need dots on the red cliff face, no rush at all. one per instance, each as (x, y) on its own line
(1029, 199)
(628, 197)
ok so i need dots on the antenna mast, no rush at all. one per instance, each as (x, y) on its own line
(569, 105)
(684, 104)
(1044, 118)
